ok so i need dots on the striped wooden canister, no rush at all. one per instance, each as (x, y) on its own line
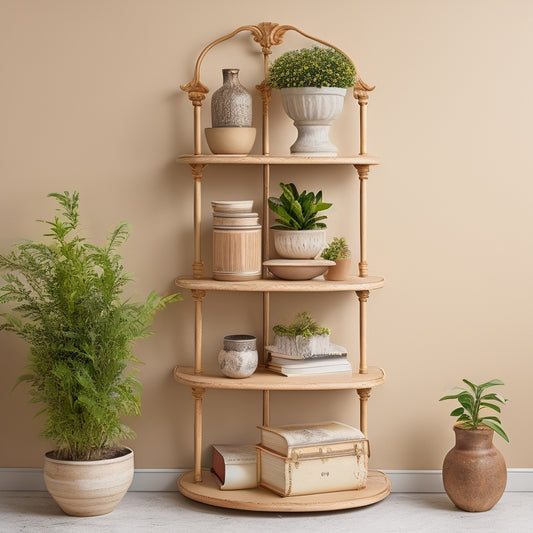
(236, 252)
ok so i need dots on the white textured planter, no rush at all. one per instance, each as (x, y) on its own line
(302, 346)
(313, 109)
(299, 244)
(88, 488)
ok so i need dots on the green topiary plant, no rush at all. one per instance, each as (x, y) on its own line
(472, 401)
(336, 249)
(68, 305)
(312, 67)
(298, 211)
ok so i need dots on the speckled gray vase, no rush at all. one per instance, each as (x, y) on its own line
(231, 105)
(239, 357)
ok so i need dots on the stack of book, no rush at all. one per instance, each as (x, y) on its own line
(290, 365)
(312, 458)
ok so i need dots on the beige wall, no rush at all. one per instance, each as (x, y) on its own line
(89, 100)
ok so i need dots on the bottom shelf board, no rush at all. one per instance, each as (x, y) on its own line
(207, 491)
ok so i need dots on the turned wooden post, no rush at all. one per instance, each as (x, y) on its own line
(363, 299)
(198, 264)
(198, 394)
(364, 395)
(198, 296)
(362, 171)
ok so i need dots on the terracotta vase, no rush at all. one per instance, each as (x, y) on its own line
(340, 271)
(474, 471)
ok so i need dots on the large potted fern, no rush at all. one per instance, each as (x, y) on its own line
(300, 230)
(67, 302)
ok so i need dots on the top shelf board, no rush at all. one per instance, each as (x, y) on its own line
(276, 160)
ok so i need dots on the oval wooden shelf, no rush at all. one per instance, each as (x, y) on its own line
(278, 285)
(204, 159)
(259, 499)
(263, 379)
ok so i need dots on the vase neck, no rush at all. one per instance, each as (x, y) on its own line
(479, 438)
(230, 75)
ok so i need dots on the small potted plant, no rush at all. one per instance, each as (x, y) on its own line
(313, 83)
(304, 336)
(338, 251)
(67, 303)
(300, 231)
(474, 472)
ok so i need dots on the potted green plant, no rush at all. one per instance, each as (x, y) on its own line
(67, 303)
(338, 251)
(299, 232)
(303, 336)
(474, 472)
(313, 83)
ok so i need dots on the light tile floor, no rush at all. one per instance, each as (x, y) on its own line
(170, 511)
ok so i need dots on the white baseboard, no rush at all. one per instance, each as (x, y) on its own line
(146, 480)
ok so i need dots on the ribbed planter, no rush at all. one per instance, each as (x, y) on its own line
(474, 472)
(299, 244)
(313, 110)
(88, 488)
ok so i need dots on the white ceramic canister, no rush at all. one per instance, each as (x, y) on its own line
(238, 358)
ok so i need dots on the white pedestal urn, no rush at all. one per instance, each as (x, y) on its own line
(313, 110)
(88, 488)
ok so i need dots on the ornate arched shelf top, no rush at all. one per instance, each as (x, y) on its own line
(266, 34)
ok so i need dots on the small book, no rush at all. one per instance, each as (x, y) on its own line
(235, 466)
(308, 363)
(293, 370)
(289, 439)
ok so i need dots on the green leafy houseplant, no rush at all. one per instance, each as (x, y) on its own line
(67, 303)
(298, 211)
(311, 67)
(336, 249)
(473, 400)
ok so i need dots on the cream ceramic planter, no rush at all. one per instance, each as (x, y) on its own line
(88, 488)
(299, 244)
(313, 110)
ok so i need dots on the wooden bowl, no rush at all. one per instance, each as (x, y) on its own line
(298, 269)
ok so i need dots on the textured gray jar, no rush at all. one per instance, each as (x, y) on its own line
(239, 357)
(231, 104)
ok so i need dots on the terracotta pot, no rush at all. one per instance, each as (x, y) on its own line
(474, 471)
(88, 488)
(340, 271)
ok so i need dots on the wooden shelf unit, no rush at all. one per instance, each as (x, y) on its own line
(198, 484)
